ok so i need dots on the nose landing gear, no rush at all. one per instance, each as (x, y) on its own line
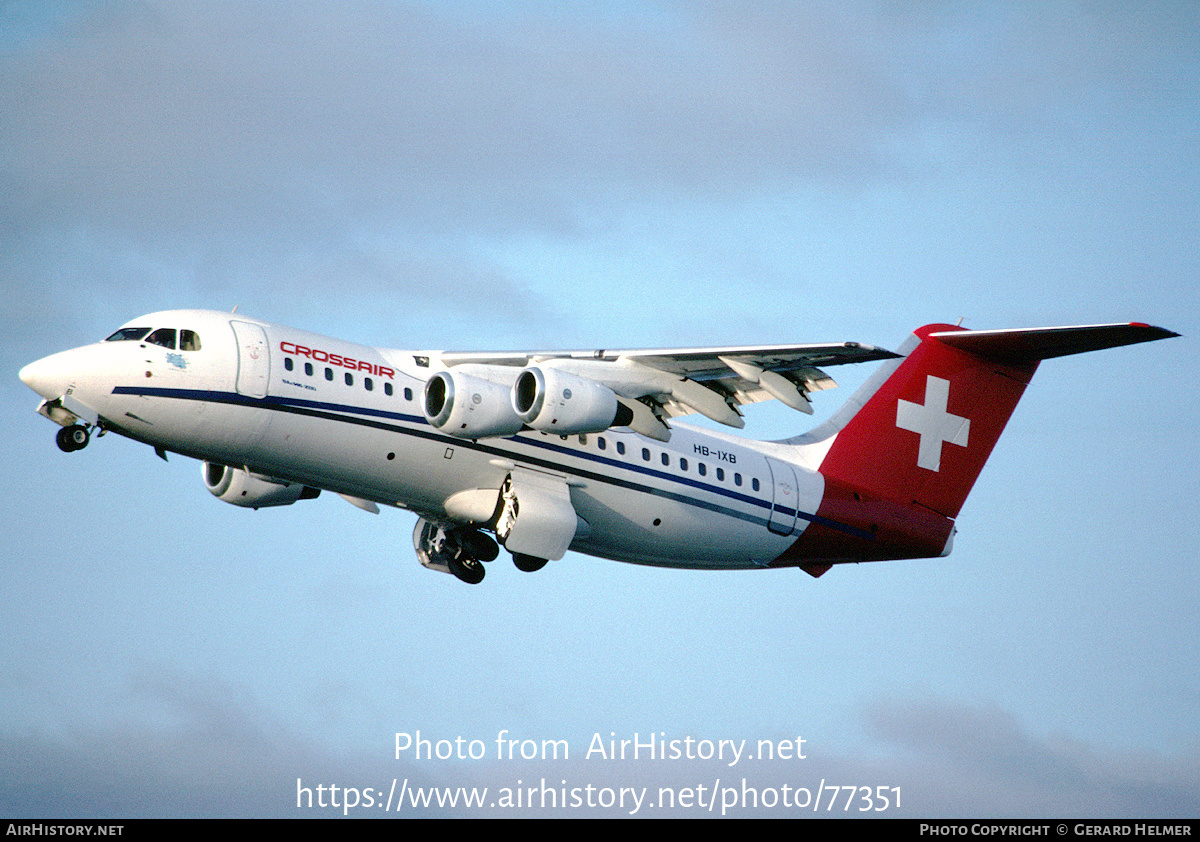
(73, 438)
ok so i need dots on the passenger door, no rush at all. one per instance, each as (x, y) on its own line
(254, 360)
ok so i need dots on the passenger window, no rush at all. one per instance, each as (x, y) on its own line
(701, 468)
(754, 483)
(682, 464)
(720, 474)
(329, 374)
(349, 379)
(621, 447)
(189, 340)
(164, 336)
(308, 369)
(387, 389)
(368, 384)
(287, 363)
(666, 459)
(601, 443)
(407, 393)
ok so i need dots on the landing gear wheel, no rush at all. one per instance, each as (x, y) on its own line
(469, 570)
(73, 438)
(480, 546)
(528, 563)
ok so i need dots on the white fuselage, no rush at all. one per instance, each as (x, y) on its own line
(304, 408)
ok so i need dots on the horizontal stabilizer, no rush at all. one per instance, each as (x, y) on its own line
(1028, 345)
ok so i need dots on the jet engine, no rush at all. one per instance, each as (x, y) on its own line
(469, 407)
(241, 488)
(554, 401)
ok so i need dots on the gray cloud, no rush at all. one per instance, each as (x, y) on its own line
(201, 748)
(208, 149)
(982, 761)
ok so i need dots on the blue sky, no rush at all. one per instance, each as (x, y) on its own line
(495, 176)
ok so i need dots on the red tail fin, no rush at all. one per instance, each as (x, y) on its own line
(924, 435)
(897, 471)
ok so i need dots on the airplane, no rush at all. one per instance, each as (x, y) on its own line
(581, 450)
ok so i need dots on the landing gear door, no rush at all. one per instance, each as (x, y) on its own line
(254, 365)
(536, 515)
(785, 497)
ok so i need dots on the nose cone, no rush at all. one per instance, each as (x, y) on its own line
(50, 376)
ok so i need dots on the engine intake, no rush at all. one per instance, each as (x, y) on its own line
(241, 488)
(469, 407)
(554, 401)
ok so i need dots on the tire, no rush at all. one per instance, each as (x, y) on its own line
(72, 438)
(528, 563)
(469, 570)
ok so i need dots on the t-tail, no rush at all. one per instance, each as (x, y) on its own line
(900, 458)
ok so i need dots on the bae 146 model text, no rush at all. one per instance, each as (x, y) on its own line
(553, 451)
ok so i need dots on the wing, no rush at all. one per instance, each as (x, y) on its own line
(655, 384)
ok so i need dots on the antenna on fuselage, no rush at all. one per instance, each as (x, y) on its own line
(234, 310)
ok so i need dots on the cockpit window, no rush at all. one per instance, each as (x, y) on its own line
(127, 334)
(189, 340)
(164, 336)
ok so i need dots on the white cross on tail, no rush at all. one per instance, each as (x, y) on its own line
(932, 422)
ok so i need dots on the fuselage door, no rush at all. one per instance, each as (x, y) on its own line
(254, 362)
(785, 498)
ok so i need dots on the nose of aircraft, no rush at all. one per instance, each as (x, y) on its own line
(49, 376)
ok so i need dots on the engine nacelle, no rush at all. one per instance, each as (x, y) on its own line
(469, 407)
(237, 486)
(554, 401)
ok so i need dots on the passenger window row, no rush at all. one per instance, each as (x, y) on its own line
(682, 463)
(368, 382)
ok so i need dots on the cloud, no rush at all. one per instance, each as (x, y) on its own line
(290, 148)
(169, 118)
(185, 746)
(961, 760)
(200, 747)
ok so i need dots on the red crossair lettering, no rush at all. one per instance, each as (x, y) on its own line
(336, 359)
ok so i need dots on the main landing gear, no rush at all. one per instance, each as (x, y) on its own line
(73, 438)
(454, 549)
(461, 550)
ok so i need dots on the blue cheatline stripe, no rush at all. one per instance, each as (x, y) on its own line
(369, 417)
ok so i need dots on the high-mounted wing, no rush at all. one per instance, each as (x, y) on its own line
(649, 385)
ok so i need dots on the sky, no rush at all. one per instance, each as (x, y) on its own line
(493, 176)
